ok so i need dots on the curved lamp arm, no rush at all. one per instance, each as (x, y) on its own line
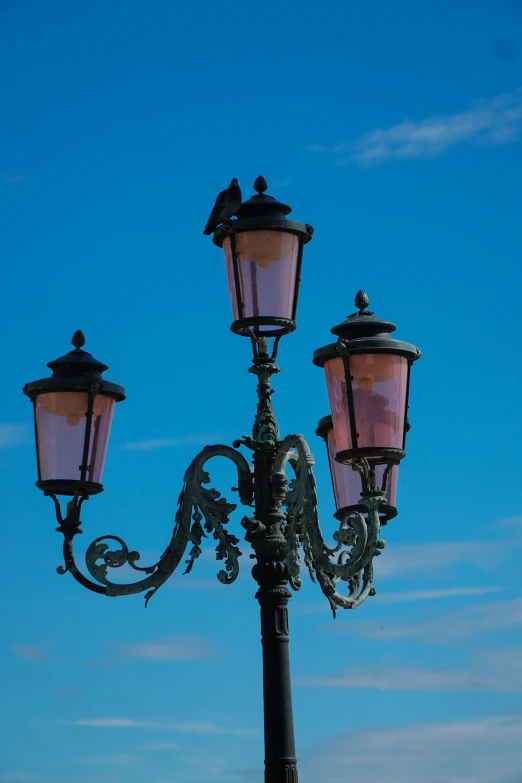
(327, 565)
(196, 505)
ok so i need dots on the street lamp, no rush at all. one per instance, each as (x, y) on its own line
(72, 416)
(367, 376)
(263, 256)
(347, 480)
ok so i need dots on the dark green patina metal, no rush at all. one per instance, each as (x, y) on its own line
(285, 518)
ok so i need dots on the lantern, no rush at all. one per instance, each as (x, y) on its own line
(367, 377)
(263, 255)
(72, 414)
(347, 482)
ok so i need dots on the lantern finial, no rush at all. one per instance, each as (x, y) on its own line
(260, 185)
(362, 301)
(78, 339)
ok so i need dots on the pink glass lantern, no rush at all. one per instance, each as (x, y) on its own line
(73, 413)
(263, 256)
(346, 481)
(375, 398)
(367, 377)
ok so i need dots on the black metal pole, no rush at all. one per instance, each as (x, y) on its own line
(273, 596)
(266, 533)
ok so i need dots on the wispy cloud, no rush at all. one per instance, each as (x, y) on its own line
(14, 179)
(510, 522)
(457, 625)
(14, 435)
(159, 746)
(31, 652)
(176, 647)
(123, 760)
(158, 443)
(435, 595)
(316, 607)
(491, 122)
(192, 727)
(505, 50)
(497, 670)
(481, 751)
(406, 559)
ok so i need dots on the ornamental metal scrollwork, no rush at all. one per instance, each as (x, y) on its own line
(276, 536)
(201, 511)
(326, 565)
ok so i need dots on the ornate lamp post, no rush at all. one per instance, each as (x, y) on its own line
(367, 375)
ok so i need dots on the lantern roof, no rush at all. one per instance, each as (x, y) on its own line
(363, 323)
(262, 212)
(364, 332)
(76, 370)
(78, 361)
(261, 204)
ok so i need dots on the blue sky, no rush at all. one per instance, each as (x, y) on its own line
(395, 130)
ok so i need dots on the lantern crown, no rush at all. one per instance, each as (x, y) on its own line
(76, 370)
(262, 205)
(262, 212)
(363, 323)
(78, 361)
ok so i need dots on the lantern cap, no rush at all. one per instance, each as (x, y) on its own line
(77, 370)
(262, 213)
(364, 332)
(363, 323)
(261, 204)
(78, 361)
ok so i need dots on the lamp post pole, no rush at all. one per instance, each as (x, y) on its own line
(367, 375)
(266, 533)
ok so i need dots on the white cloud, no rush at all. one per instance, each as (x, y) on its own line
(158, 443)
(176, 647)
(497, 670)
(481, 751)
(437, 594)
(487, 122)
(14, 179)
(159, 746)
(318, 607)
(406, 559)
(193, 727)
(14, 435)
(124, 760)
(456, 625)
(29, 652)
(510, 522)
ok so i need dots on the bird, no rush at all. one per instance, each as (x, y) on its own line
(227, 204)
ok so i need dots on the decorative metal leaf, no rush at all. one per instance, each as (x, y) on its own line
(199, 509)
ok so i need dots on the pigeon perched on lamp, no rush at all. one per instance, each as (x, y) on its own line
(227, 204)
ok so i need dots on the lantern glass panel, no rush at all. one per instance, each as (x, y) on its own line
(347, 482)
(61, 422)
(267, 271)
(379, 388)
(336, 385)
